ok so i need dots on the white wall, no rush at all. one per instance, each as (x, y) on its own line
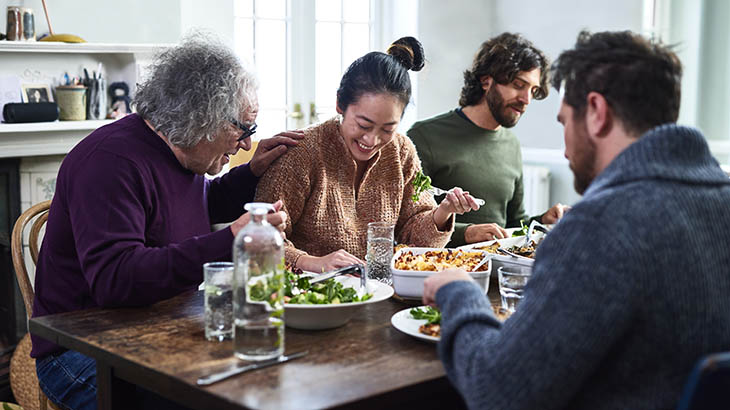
(106, 21)
(453, 31)
(712, 116)
(212, 15)
(553, 26)
(130, 21)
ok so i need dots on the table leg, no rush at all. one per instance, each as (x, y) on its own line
(111, 392)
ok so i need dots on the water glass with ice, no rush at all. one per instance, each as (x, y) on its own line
(512, 281)
(380, 251)
(218, 300)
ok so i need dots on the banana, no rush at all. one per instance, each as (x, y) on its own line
(65, 38)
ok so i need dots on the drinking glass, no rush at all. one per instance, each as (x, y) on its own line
(380, 251)
(218, 300)
(512, 281)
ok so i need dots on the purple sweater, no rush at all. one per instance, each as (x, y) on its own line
(129, 226)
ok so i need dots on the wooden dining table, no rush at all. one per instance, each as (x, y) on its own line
(366, 363)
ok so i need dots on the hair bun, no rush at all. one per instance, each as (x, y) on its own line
(409, 52)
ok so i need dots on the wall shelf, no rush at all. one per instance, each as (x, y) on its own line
(46, 63)
(53, 126)
(79, 48)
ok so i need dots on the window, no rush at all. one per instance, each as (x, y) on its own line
(342, 34)
(700, 32)
(261, 30)
(300, 49)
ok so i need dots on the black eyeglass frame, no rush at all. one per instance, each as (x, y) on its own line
(247, 131)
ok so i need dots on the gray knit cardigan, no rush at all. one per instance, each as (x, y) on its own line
(628, 291)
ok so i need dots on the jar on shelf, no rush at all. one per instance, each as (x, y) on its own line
(28, 24)
(14, 26)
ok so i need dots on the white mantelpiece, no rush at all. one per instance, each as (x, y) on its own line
(44, 138)
(46, 63)
(37, 183)
(77, 48)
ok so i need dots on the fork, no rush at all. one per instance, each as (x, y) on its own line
(438, 191)
(534, 226)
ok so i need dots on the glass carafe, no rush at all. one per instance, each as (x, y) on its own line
(258, 305)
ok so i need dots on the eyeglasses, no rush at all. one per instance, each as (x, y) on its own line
(247, 130)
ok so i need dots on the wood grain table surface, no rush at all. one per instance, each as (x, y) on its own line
(365, 364)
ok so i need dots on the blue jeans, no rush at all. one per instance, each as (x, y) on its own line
(69, 380)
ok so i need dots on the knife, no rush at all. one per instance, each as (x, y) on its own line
(216, 377)
(357, 268)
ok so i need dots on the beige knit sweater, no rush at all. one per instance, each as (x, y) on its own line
(316, 181)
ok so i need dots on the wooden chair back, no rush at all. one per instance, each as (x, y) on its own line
(38, 214)
(708, 386)
(23, 379)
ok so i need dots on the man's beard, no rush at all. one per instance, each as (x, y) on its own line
(584, 161)
(500, 111)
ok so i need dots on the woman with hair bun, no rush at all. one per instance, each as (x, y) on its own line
(356, 168)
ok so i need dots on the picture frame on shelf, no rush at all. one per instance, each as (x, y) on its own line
(33, 93)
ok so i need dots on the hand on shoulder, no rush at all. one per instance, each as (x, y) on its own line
(270, 149)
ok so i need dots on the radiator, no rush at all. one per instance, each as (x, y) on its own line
(537, 189)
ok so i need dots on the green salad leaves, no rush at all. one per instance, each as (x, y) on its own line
(522, 231)
(421, 183)
(265, 288)
(298, 290)
(432, 315)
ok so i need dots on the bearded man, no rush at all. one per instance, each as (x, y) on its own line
(630, 289)
(471, 146)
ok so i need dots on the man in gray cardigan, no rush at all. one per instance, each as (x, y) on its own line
(631, 287)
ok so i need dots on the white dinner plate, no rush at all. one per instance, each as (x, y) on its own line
(404, 322)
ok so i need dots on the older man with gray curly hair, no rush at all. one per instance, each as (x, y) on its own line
(130, 221)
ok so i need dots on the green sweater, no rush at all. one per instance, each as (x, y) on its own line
(456, 152)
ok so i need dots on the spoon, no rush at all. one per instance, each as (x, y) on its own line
(512, 254)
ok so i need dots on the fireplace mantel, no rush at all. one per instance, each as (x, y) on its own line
(44, 138)
(47, 63)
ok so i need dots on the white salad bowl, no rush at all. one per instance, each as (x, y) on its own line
(328, 316)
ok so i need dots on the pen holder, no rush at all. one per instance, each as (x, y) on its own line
(71, 102)
(96, 99)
